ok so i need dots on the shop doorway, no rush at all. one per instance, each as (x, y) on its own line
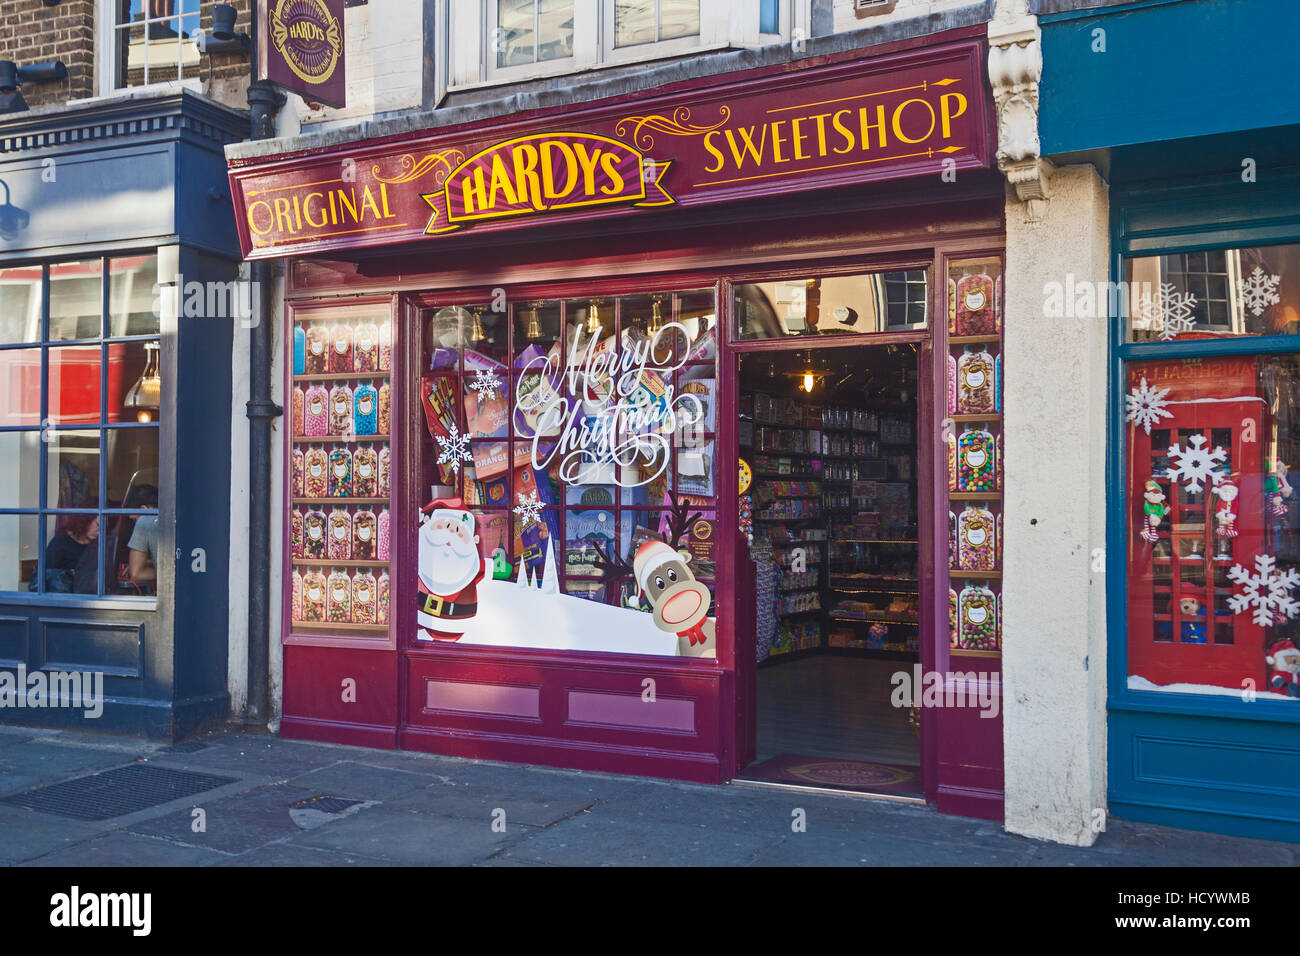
(833, 510)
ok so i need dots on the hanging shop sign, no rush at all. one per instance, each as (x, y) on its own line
(300, 48)
(914, 114)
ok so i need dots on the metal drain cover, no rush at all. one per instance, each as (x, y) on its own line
(324, 803)
(115, 793)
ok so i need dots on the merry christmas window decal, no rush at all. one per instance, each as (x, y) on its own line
(568, 463)
(1214, 543)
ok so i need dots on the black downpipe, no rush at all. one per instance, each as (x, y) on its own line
(263, 102)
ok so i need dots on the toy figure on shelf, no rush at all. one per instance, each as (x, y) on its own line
(1225, 516)
(1153, 510)
(1277, 487)
(1189, 606)
(1284, 658)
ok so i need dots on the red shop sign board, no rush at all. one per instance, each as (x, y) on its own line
(300, 47)
(788, 130)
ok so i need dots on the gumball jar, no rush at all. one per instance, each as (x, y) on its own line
(977, 619)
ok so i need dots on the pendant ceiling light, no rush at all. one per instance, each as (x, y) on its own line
(476, 334)
(656, 318)
(593, 318)
(534, 328)
(143, 398)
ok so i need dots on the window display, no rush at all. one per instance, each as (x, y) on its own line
(834, 305)
(974, 442)
(1214, 543)
(339, 476)
(568, 470)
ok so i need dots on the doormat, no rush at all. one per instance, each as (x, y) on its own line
(837, 774)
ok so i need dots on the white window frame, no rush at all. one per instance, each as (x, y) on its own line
(724, 24)
(106, 34)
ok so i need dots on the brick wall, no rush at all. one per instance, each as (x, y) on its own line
(31, 32)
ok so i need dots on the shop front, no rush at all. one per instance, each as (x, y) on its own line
(526, 360)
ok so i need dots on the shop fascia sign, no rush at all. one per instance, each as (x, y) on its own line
(905, 115)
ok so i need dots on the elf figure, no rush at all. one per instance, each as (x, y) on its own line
(1154, 509)
(1277, 487)
(450, 570)
(1284, 658)
(1189, 606)
(1225, 515)
(681, 604)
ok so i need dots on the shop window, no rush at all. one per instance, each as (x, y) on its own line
(650, 21)
(834, 305)
(533, 31)
(1212, 294)
(1214, 530)
(79, 427)
(152, 40)
(569, 463)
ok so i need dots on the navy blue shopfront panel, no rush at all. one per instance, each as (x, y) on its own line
(1203, 762)
(1171, 69)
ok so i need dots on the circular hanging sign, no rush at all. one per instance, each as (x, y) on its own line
(746, 476)
(309, 37)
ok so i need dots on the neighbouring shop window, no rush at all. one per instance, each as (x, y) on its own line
(834, 305)
(152, 40)
(569, 465)
(1212, 294)
(649, 21)
(80, 372)
(1214, 525)
(533, 31)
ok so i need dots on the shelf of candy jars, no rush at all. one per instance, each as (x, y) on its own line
(340, 472)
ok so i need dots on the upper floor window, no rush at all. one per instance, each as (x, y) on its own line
(531, 31)
(152, 40)
(650, 21)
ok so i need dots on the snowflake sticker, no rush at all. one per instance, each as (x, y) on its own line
(1169, 311)
(1268, 591)
(529, 508)
(1146, 405)
(1194, 464)
(453, 449)
(486, 384)
(1258, 291)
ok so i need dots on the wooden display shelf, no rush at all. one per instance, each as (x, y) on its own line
(973, 339)
(875, 540)
(874, 620)
(877, 652)
(989, 416)
(336, 563)
(336, 439)
(339, 376)
(839, 590)
(323, 627)
(971, 652)
(973, 495)
(341, 501)
(974, 574)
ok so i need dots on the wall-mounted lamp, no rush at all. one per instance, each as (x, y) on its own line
(13, 76)
(145, 395)
(223, 39)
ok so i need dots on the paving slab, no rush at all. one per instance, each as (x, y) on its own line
(26, 834)
(363, 781)
(128, 849)
(232, 824)
(284, 854)
(591, 841)
(482, 803)
(410, 839)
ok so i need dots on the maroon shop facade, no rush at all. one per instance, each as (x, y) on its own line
(512, 367)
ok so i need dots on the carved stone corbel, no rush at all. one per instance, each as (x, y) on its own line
(1015, 67)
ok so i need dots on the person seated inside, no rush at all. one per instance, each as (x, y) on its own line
(142, 548)
(71, 556)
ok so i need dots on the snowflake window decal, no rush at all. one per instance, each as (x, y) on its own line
(1169, 311)
(1193, 464)
(1146, 405)
(1258, 291)
(1267, 591)
(453, 449)
(529, 508)
(486, 384)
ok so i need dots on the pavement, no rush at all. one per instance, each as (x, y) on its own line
(409, 809)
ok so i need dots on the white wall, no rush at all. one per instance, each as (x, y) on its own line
(1054, 648)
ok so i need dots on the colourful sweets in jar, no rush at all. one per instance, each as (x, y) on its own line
(952, 541)
(316, 359)
(367, 412)
(295, 604)
(338, 597)
(975, 312)
(952, 306)
(341, 348)
(315, 473)
(977, 534)
(299, 409)
(340, 467)
(364, 533)
(385, 472)
(381, 599)
(975, 383)
(365, 598)
(952, 618)
(316, 418)
(295, 487)
(313, 534)
(340, 410)
(313, 596)
(385, 423)
(952, 385)
(977, 614)
(976, 461)
(339, 535)
(951, 442)
(385, 347)
(299, 350)
(295, 532)
(365, 348)
(382, 534)
(365, 466)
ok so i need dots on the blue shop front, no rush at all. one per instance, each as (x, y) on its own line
(1202, 154)
(115, 413)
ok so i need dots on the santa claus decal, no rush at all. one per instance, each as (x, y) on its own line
(450, 570)
(681, 604)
